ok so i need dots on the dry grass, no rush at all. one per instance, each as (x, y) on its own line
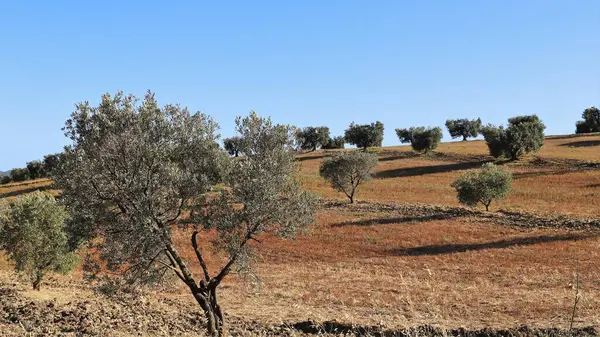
(454, 272)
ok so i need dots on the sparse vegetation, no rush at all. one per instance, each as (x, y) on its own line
(347, 170)
(464, 128)
(483, 185)
(32, 233)
(421, 139)
(129, 181)
(525, 134)
(364, 135)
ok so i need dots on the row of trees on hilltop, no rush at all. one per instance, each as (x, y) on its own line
(33, 170)
(524, 134)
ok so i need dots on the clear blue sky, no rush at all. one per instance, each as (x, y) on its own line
(303, 62)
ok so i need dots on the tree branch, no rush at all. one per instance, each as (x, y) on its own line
(199, 256)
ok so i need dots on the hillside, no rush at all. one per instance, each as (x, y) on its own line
(407, 254)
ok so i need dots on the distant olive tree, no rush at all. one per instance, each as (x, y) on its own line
(347, 170)
(464, 128)
(50, 163)
(34, 237)
(19, 174)
(312, 137)
(335, 143)
(421, 139)
(233, 145)
(364, 135)
(524, 134)
(483, 185)
(36, 169)
(5, 179)
(134, 168)
(590, 122)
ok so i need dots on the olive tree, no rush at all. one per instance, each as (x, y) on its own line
(483, 185)
(35, 169)
(464, 128)
(50, 163)
(19, 174)
(233, 145)
(524, 134)
(134, 168)
(590, 122)
(347, 170)
(32, 232)
(334, 143)
(312, 137)
(421, 139)
(364, 135)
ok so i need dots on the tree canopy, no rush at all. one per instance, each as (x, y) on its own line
(464, 128)
(364, 135)
(524, 134)
(483, 185)
(590, 122)
(421, 139)
(345, 171)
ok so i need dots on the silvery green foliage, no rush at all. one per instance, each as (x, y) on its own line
(33, 235)
(131, 170)
(264, 196)
(483, 186)
(345, 171)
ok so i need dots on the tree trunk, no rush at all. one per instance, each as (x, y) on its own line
(464, 138)
(37, 282)
(215, 324)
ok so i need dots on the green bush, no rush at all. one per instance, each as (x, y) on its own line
(483, 186)
(347, 170)
(33, 236)
(19, 174)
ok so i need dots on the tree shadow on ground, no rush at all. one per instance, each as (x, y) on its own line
(402, 219)
(423, 170)
(534, 174)
(25, 191)
(468, 247)
(310, 157)
(583, 143)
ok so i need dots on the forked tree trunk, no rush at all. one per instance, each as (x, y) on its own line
(37, 282)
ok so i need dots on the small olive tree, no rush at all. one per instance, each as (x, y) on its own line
(421, 139)
(347, 170)
(19, 174)
(32, 232)
(134, 168)
(364, 135)
(483, 185)
(464, 128)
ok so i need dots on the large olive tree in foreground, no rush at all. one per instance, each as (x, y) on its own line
(345, 171)
(32, 233)
(133, 169)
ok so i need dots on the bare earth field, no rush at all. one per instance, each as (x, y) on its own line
(407, 255)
